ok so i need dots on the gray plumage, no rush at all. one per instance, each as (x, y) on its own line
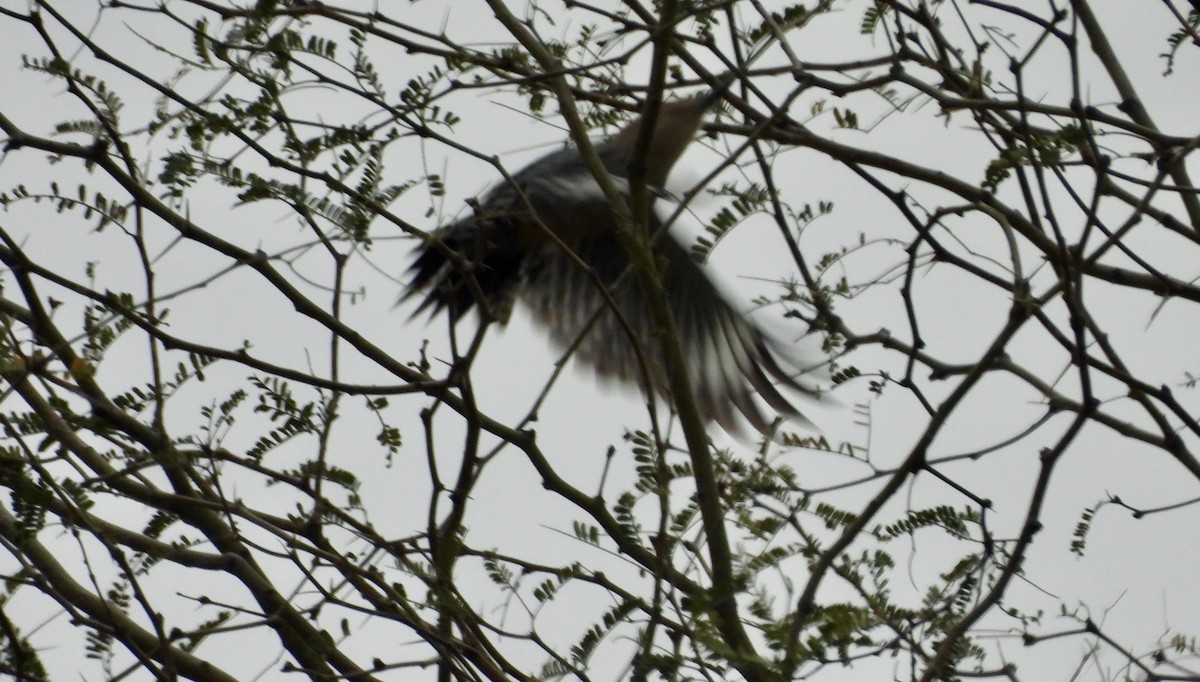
(507, 256)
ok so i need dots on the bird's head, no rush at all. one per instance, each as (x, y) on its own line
(675, 127)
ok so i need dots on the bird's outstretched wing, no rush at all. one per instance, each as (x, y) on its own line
(507, 252)
(729, 358)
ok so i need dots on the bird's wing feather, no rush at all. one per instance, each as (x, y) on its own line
(728, 358)
(493, 242)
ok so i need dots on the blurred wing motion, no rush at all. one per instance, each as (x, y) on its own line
(505, 252)
(728, 358)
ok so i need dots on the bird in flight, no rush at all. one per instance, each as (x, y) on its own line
(505, 252)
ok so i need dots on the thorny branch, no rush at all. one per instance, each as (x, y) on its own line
(707, 559)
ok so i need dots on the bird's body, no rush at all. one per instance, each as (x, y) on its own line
(507, 253)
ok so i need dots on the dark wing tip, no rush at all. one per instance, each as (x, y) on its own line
(443, 287)
(758, 366)
(483, 272)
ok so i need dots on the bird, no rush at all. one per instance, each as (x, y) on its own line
(504, 254)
